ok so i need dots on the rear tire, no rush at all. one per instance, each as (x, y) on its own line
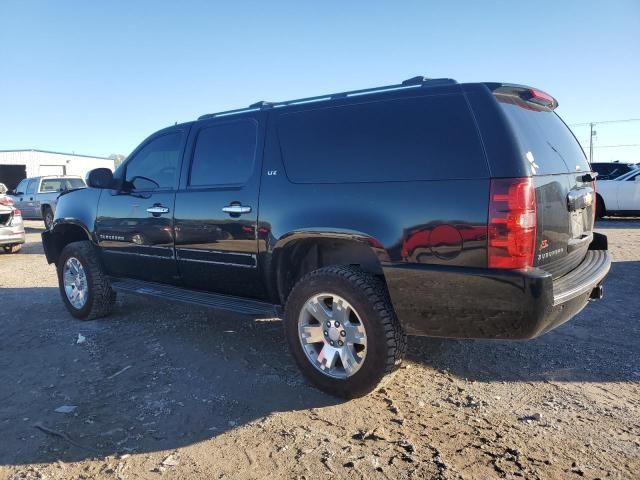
(600, 208)
(371, 315)
(12, 248)
(97, 298)
(47, 215)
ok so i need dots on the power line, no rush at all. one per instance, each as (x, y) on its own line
(605, 121)
(617, 146)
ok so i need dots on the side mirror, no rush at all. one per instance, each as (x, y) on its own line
(100, 178)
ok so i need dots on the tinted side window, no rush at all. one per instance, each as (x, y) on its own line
(31, 187)
(419, 138)
(156, 165)
(224, 154)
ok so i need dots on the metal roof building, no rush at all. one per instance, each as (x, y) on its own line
(18, 164)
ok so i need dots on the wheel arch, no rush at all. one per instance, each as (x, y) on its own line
(299, 253)
(601, 206)
(62, 234)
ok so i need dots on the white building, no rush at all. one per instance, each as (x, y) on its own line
(18, 164)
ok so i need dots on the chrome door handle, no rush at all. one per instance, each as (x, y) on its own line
(236, 209)
(157, 210)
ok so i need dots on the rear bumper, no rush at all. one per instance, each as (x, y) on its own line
(483, 303)
(12, 235)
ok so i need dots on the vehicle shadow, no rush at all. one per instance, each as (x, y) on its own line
(617, 222)
(153, 376)
(28, 248)
(601, 344)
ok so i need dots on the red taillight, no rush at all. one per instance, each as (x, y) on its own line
(17, 213)
(512, 223)
(7, 201)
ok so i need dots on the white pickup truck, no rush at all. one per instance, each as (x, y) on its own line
(37, 197)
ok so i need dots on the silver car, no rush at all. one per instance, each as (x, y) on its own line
(11, 226)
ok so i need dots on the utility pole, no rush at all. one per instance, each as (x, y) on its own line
(591, 134)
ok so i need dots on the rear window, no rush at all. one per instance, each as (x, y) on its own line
(547, 143)
(420, 138)
(60, 184)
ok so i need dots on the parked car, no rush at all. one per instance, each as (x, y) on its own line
(619, 197)
(37, 197)
(612, 170)
(423, 208)
(12, 234)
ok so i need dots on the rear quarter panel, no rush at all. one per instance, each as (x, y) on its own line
(433, 223)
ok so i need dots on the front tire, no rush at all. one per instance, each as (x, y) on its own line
(342, 330)
(47, 215)
(600, 208)
(84, 286)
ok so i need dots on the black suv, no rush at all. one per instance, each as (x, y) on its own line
(424, 208)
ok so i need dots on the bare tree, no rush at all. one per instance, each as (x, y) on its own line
(117, 158)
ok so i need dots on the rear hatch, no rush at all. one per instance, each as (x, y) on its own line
(564, 188)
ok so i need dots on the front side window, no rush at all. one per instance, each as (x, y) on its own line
(156, 165)
(31, 188)
(224, 154)
(22, 186)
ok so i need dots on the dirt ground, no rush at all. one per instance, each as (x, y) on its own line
(173, 391)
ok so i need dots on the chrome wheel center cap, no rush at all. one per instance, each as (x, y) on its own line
(334, 334)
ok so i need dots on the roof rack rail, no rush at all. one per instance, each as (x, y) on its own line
(412, 82)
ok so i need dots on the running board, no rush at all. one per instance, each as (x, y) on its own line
(203, 299)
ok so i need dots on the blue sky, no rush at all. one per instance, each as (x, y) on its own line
(97, 77)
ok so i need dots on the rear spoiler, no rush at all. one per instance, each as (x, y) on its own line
(532, 96)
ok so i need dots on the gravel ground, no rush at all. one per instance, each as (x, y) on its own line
(162, 390)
